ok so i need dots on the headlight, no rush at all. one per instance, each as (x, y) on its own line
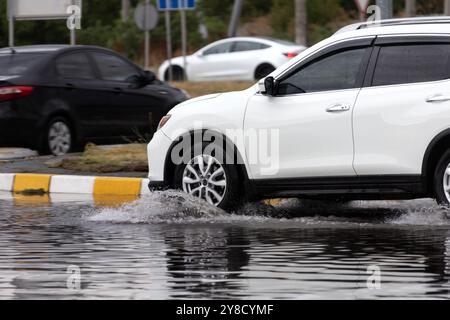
(163, 121)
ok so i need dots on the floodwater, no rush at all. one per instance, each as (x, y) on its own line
(168, 246)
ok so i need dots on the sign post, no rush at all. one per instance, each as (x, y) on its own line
(11, 23)
(181, 6)
(146, 18)
(169, 42)
(44, 10)
(362, 7)
(183, 36)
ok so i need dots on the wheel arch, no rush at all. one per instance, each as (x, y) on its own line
(169, 166)
(175, 66)
(438, 146)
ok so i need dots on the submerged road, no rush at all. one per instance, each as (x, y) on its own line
(169, 246)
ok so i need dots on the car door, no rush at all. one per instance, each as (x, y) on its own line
(404, 107)
(130, 109)
(212, 63)
(311, 114)
(79, 91)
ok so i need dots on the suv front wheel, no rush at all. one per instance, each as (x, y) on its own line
(208, 178)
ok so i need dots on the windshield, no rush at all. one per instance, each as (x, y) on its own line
(17, 64)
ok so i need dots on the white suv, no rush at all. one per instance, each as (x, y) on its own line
(364, 114)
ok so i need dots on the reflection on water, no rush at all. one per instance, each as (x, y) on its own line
(171, 246)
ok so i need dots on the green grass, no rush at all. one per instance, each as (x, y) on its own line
(126, 158)
(197, 89)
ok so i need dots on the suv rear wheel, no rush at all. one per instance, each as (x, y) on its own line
(442, 180)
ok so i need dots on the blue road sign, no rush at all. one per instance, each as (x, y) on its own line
(164, 5)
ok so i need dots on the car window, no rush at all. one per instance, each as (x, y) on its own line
(113, 68)
(74, 66)
(335, 72)
(18, 64)
(240, 46)
(412, 63)
(220, 48)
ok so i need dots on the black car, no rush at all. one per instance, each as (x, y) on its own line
(54, 98)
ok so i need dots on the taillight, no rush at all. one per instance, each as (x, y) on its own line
(291, 55)
(16, 92)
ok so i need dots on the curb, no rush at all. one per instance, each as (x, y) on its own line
(58, 184)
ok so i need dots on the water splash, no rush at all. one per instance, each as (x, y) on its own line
(157, 207)
(423, 216)
(178, 207)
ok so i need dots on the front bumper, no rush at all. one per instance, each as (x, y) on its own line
(158, 152)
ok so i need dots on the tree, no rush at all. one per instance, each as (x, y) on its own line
(301, 22)
(125, 10)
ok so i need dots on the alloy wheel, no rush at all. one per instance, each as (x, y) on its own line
(59, 138)
(204, 177)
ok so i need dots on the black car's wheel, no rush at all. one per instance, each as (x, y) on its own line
(442, 180)
(208, 178)
(263, 71)
(58, 137)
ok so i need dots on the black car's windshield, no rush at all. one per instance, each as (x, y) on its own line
(17, 64)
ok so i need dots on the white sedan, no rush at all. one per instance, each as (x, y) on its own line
(238, 59)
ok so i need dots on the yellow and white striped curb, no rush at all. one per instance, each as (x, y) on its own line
(57, 184)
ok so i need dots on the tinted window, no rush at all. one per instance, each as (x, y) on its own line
(19, 63)
(412, 63)
(248, 46)
(220, 48)
(335, 72)
(113, 68)
(74, 66)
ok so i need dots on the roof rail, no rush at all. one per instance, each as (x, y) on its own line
(395, 22)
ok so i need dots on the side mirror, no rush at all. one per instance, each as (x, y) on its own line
(148, 77)
(142, 79)
(268, 86)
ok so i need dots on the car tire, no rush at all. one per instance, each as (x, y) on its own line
(263, 71)
(178, 74)
(219, 186)
(442, 180)
(58, 138)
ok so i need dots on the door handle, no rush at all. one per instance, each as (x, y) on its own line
(438, 98)
(339, 108)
